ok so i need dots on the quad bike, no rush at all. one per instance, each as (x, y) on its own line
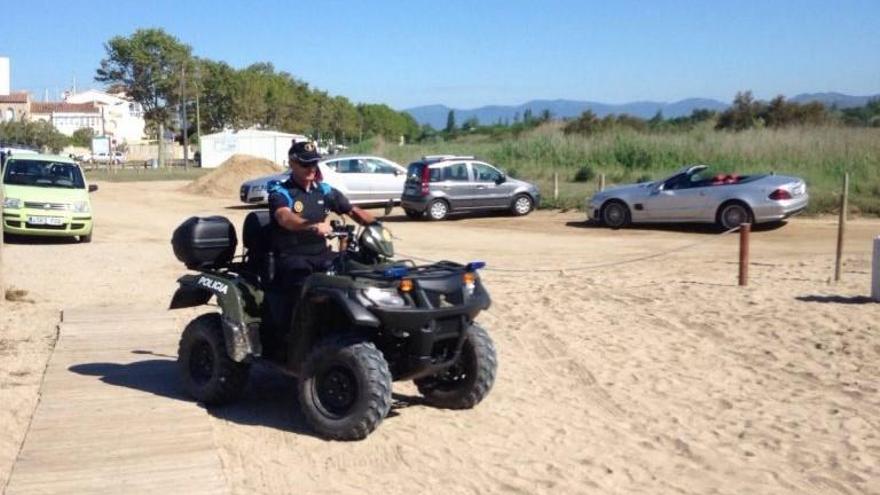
(344, 334)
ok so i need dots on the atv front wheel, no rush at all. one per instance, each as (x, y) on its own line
(345, 388)
(468, 380)
(207, 372)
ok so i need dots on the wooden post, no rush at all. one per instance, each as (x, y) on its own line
(601, 182)
(744, 230)
(841, 227)
(161, 145)
(875, 271)
(555, 186)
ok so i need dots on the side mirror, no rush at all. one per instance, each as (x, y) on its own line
(501, 179)
(397, 172)
(93, 188)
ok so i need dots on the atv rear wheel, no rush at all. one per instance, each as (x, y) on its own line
(468, 381)
(207, 372)
(345, 388)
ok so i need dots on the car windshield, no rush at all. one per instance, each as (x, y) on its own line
(40, 173)
(684, 181)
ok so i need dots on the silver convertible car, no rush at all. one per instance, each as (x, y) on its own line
(695, 194)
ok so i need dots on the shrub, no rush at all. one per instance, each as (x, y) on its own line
(631, 156)
(584, 174)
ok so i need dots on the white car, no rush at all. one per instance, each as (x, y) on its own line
(363, 179)
(117, 158)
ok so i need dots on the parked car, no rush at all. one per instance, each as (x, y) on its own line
(365, 180)
(46, 195)
(696, 194)
(116, 158)
(439, 185)
(8, 151)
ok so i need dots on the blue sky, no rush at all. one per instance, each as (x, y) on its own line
(468, 54)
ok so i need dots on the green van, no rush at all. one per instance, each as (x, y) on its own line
(46, 195)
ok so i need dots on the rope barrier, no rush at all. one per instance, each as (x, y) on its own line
(594, 266)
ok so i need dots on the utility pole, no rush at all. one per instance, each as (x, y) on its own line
(183, 122)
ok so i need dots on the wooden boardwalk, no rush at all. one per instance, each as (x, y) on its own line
(111, 416)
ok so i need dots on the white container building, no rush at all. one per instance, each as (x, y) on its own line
(271, 145)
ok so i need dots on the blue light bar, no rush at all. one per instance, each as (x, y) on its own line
(396, 272)
(475, 265)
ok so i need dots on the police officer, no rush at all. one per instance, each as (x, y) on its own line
(299, 208)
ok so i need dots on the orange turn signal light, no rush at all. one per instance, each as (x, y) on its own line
(406, 285)
(469, 277)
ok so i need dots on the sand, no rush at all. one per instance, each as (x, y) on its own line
(226, 179)
(659, 376)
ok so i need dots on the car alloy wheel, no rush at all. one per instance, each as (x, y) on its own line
(733, 216)
(615, 215)
(438, 210)
(523, 205)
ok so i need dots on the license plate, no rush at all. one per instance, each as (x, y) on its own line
(45, 220)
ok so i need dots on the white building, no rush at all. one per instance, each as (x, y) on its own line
(5, 76)
(68, 117)
(271, 145)
(123, 119)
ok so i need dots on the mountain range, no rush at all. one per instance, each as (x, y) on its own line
(435, 115)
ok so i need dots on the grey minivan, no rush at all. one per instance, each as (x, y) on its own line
(438, 185)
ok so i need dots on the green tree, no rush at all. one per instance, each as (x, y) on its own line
(587, 123)
(450, 122)
(471, 124)
(39, 134)
(217, 93)
(147, 65)
(344, 121)
(83, 137)
(742, 115)
(381, 120)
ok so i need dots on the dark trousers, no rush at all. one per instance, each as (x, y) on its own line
(291, 270)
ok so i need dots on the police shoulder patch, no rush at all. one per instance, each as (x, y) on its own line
(298, 206)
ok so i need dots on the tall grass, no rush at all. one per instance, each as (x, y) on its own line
(818, 154)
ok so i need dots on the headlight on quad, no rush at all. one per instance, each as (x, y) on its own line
(11, 203)
(384, 297)
(470, 283)
(80, 207)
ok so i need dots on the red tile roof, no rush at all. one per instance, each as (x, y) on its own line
(62, 107)
(14, 98)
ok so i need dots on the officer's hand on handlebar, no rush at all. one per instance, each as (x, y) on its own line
(323, 229)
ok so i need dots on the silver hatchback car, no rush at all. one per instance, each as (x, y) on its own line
(438, 185)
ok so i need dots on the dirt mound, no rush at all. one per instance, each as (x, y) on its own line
(225, 181)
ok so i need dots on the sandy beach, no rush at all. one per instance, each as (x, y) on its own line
(615, 376)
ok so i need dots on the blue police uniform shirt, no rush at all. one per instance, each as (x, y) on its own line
(313, 205)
